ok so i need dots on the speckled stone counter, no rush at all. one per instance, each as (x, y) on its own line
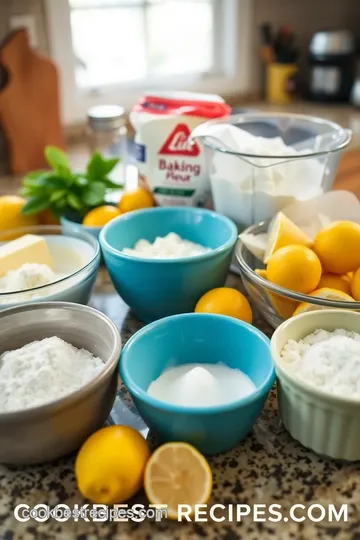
(267, 468)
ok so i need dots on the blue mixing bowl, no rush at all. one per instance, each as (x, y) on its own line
(156, 288)
(198, 338)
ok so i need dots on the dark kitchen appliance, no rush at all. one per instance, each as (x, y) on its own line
(332, 56)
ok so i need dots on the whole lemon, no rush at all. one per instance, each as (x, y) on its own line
(135, 200)
(334, 281)
(338, 247)
(10, 213)
(225, 301)
(355, 285)
(294, 267)
(109, 467)
(100, 216)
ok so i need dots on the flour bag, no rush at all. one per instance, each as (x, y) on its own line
(170, 166)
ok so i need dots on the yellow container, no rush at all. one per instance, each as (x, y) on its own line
(280, 84)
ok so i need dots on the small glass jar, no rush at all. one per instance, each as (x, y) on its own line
(107, 134)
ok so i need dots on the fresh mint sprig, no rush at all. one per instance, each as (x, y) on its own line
(62, 190)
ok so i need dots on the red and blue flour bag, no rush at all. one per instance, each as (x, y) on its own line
(169, 165)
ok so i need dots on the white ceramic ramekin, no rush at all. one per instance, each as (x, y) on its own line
(327, 424)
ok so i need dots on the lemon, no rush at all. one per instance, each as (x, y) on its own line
(225, 301)
(109, 467)
(10, 213)
(326, 293)
(177, 473)
(355, 285)
(100, 216)
(334, 281)
(284, 307)
(294, 267)
(283, 232)
(338, 247)
(261, 272)
(135, 200)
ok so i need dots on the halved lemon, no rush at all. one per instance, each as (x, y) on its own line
(327, 294)
(255, 243)
(175, 474)
(283, 232)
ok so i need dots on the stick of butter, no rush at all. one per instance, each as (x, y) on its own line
(26, 249)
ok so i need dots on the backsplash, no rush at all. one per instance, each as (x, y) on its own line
(9, 8)
(306, 17)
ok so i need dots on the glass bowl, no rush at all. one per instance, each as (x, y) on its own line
(76, 256)
(250, 186)
(276, 304)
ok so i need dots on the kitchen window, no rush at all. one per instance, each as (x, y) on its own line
(114, 50)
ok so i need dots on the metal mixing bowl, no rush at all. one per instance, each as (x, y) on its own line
(276, 304)
(58, 428)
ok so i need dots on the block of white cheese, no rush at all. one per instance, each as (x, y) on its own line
(26, 249)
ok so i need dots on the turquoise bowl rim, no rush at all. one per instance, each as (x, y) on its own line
(179, 209)
(140, 394)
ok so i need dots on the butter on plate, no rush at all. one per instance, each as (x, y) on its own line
(26, 249)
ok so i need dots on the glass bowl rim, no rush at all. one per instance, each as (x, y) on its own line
(31, 229)
(346, 133)
(282, 291)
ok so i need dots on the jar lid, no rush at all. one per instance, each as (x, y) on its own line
(106, 117)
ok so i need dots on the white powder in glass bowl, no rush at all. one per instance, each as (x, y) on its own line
(329, 361)
(171, 246)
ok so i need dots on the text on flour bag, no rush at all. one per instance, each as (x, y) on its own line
(171, 167)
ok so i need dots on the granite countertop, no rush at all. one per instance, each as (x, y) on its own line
(268, 467)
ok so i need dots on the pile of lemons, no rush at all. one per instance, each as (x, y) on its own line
(131, 200)
(327, 266)
(12, 218)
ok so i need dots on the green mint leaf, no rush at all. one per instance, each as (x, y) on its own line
(65, 173)
(74, 201)
(80, 180)
(57, 195)
(110, 164)
(60, 205)
(56, 158)
(35, 174)
(55, 183)
(93, 194)
(35, 205)
(112, 185)
(95, 168)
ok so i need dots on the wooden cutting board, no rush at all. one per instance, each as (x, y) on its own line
(29, 104)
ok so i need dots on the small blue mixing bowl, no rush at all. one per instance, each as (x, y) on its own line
(156, 288)
(198, 338)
